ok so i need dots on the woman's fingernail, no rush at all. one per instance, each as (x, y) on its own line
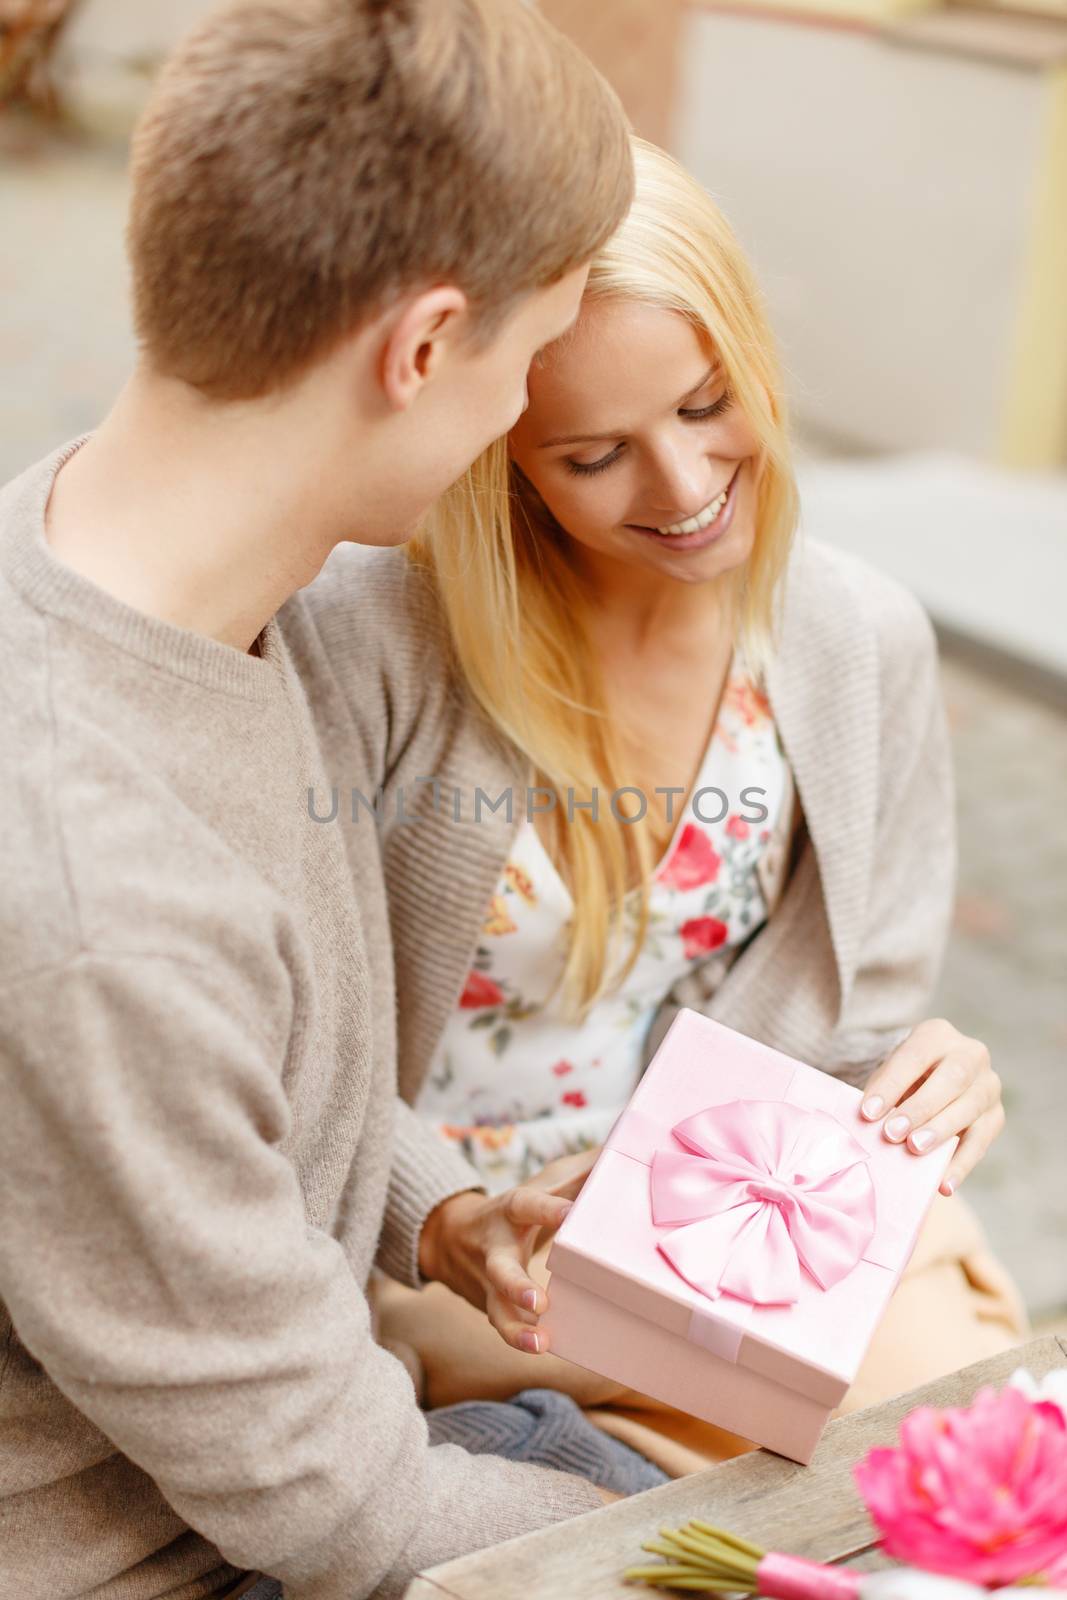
(873, 1107)
(922, 1140)
(529, 1299)
(949, 1186)
(896, 1128)
(529, 1342)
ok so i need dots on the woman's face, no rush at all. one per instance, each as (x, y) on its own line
(631, 434)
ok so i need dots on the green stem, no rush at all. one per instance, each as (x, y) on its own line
(743, 1545)
(724, 1560)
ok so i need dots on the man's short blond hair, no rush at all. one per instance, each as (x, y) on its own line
(303, 161)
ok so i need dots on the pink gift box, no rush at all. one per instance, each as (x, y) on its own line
(772, 1372)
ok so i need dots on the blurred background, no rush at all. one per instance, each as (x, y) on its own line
(897, 170)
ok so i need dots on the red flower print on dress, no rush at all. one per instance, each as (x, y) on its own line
(574, 1097)
(743, 706)
(562, 1068)
(747, 701)
(700, 935)
(480, 991)
(737, 827)
(693, 862)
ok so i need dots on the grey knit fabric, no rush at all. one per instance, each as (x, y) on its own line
(544, 1429)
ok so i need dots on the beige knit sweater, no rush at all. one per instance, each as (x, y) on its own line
(197, 1154)
(847, 961)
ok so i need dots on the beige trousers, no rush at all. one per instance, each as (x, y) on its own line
(954, 1305)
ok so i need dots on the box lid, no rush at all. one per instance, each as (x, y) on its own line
(609, 1243)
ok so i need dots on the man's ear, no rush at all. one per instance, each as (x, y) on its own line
(424, 329)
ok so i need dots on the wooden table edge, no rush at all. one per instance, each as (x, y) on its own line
(784, 1480)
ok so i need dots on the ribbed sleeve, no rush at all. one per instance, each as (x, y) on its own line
(424, 1172)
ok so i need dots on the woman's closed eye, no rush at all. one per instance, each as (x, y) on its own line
(588, 469)
(716, 409)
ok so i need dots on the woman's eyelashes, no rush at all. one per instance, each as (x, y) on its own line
(716, 409)
(582, 469)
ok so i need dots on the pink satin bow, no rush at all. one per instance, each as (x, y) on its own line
(767, 1187)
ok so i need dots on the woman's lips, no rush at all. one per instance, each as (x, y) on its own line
(703, 536)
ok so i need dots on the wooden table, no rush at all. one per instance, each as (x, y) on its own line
(810, 1511)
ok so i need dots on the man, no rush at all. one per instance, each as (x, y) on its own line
(353, 223)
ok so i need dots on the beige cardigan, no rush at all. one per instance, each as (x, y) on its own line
(847, 960)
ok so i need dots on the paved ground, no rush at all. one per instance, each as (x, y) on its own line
(1005, 979)
(64, 346)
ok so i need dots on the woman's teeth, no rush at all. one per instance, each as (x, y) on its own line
(703, 519)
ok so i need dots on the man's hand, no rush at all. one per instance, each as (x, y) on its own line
(936, 1084)
(480, 1247)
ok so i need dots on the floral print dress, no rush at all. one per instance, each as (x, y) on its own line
(516, 1083)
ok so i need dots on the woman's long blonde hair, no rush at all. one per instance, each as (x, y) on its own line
(517, 614)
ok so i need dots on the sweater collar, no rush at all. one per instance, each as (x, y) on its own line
(56, 590)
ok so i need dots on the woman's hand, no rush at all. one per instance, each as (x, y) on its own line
(480, 1247)
(936, 1084)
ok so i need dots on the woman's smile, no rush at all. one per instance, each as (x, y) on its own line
(696, 532)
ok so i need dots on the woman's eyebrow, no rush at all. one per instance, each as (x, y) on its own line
(592, 438)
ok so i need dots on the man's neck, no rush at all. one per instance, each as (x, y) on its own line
(202, 516)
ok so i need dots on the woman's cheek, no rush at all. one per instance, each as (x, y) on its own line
(585, 508)
(569, 503)
(594, 507)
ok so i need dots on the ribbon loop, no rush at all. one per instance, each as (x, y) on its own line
(759, 1190)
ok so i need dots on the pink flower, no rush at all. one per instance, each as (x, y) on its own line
(562, 1068)
(980, 1494)
(574, 1097)
(480, 991)
(701, 935)
(692, 862)
(737, 827)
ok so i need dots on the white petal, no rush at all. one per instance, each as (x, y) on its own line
(1052, 1387)
(909, 1583)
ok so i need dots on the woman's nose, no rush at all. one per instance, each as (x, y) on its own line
(684, 486)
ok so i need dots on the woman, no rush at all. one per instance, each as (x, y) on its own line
(739, 797)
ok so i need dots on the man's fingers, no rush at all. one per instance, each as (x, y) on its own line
(527, 1207)
(921, 1050)
(507, 1277)
(519, 1335)
(566, 1175)
(972, 1147)
(570, 1188)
